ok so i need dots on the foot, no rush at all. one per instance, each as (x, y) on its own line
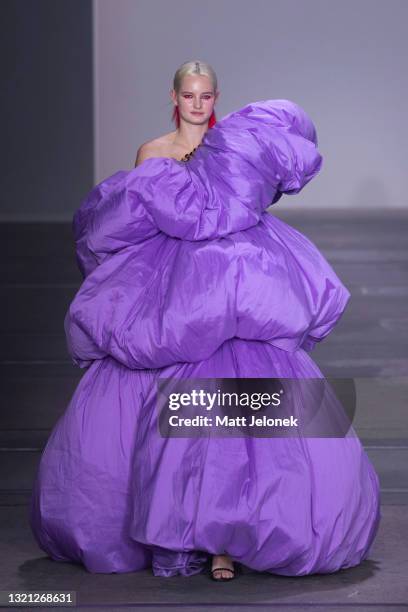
(225, 562)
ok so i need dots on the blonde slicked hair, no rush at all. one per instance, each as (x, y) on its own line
(194, 67)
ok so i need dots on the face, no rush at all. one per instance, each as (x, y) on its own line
(195, 99)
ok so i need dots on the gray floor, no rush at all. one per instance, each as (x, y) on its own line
(369, 252)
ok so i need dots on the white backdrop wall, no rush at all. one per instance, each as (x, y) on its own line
(344, 62)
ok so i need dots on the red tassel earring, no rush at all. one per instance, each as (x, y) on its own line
(176, 118)
(212, 120)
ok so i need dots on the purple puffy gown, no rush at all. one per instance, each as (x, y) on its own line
(187, 275)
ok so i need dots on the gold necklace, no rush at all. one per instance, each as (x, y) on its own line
(187, 156)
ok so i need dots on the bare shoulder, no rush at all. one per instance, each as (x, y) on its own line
(146, 150)
(157, 147)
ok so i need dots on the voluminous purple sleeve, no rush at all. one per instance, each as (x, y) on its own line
(243, 165)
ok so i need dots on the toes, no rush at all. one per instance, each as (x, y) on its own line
(219, 573)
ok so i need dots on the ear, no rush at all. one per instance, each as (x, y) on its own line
(173, 96)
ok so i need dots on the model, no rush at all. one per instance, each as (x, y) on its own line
(186, 275)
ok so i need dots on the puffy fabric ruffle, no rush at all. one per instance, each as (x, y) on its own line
(197, 259)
